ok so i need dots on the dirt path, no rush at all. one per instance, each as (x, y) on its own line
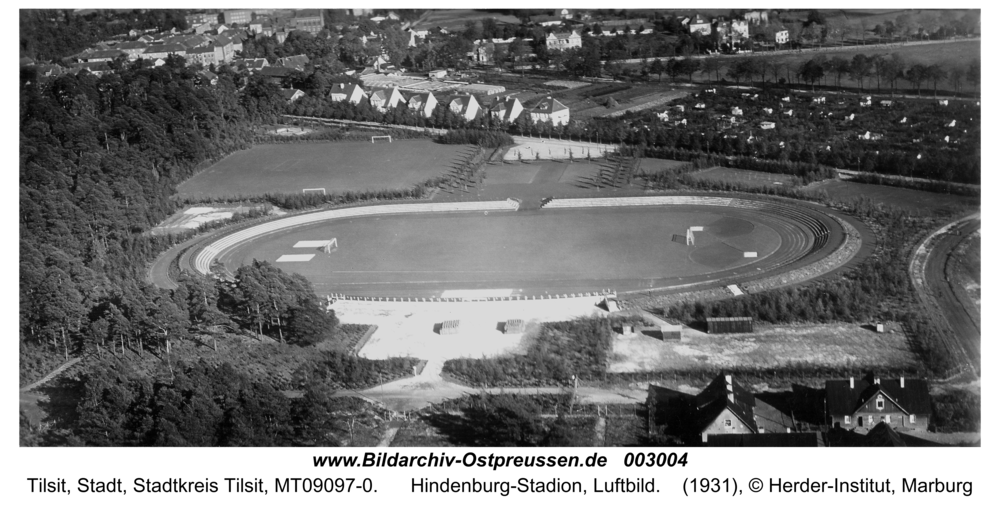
(52, 374)
(928, 272)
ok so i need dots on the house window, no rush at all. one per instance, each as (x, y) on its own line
(913, 419)
(881, 418)
(888, 418)
(847, 419)
(729, 423)
(871, 420)
(879, 403)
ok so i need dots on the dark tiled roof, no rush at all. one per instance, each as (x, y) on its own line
(736, 398)
(810, 439)
(914, 398)
(166, 48)
(133, 45)
(288, 93)
(275, 71)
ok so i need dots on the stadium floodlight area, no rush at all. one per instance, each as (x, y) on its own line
(381, 138)
(314, 191)
(330, 246)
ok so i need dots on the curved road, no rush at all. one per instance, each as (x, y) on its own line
(928, 269)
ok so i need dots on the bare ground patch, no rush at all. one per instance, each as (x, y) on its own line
(834, 345)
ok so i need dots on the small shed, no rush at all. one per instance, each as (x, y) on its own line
(730, 324)
(513, 326)
(449, 327)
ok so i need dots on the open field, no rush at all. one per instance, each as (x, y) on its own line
(523, 250)
(833, 345)
(917, 202)
(754, 178)
(455, 19)
(337, 167)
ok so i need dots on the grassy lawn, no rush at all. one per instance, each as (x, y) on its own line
(337, 167)
(754, 178)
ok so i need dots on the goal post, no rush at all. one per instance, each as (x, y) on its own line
(381, 138)
(330, 246)
(314, 191)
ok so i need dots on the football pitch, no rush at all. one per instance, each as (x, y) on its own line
(334, 166)
(524, 251)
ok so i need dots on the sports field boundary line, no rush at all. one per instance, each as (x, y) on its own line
(203, 259)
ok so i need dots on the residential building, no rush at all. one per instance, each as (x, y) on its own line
(308, 21)
(352, 93)
(766, 125)
(386, 99)
(781, 37)
(202, 28)
(546, 20)
(206, 77)
(700, 25)
(465, 106)
(563, 41)
(202, 18)
(161, 51)
(274, 73)
(103, 56)
(423, 104)
(550, 110)
(437, 74)
(292, 94)
(205, 55)
(297, 62)
(96, 68)
(507, 109)
(860, 404)
(133, 48)
(252, 64)
(237, 17)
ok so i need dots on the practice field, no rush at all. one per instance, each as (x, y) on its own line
(337, 167)
(531, 251)
(754, 178)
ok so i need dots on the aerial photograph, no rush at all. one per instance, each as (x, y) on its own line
(499, 228)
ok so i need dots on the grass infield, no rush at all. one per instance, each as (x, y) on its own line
(515, 250)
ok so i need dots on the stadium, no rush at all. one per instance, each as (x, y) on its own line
(494, 249)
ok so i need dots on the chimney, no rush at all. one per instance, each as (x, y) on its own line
(902, 382)
(341, 86)
(852, 382)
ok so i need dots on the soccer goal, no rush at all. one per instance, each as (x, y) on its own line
(330, 246)
(690, 237)
(314, 191)
(381, 138)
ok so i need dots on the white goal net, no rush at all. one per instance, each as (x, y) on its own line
(314, 191)
(381, 139)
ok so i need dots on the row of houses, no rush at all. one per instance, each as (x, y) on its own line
(725, 408)
(507, 109)
(203, 48)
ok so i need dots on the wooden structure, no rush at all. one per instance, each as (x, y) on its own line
(449, 327)
(730, 325)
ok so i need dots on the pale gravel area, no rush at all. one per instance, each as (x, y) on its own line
(407, 329)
